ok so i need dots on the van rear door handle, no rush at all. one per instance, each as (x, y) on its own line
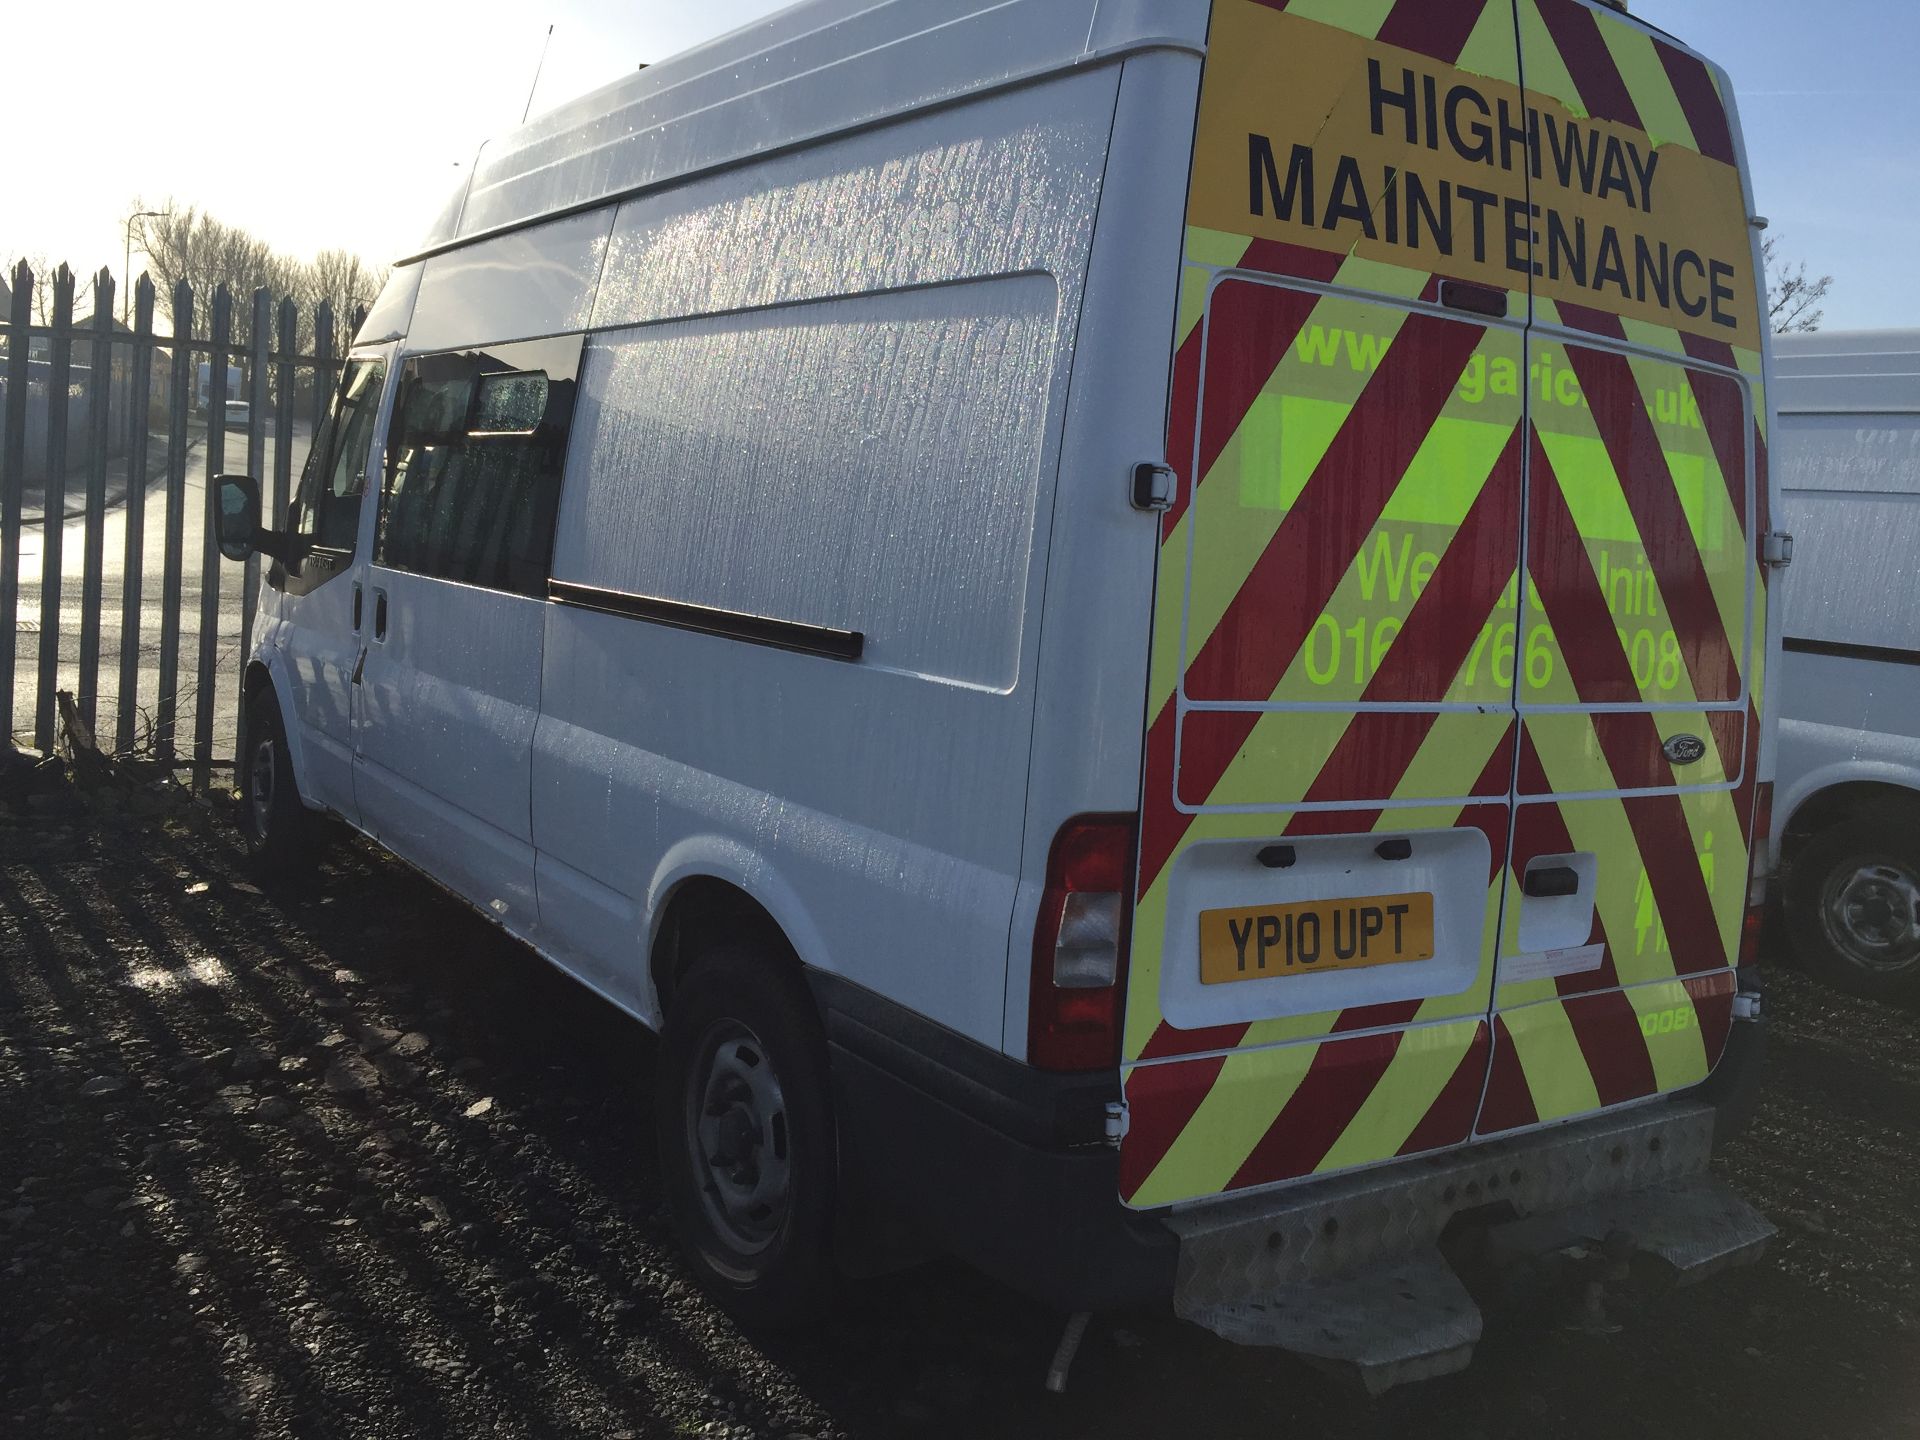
(379, 614)
(356, 607)
(1551, 881)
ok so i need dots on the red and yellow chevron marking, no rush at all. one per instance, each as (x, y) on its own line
(1279, 1099)
(1610, 184)
(1641, 1042)
(1583, 61)
(1672, 867)
(1445, 509)
(1344, 620)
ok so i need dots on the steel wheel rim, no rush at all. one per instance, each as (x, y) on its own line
(260, 782)
(738, 1138)
(1870, 909)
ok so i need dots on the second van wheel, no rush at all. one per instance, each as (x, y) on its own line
(1853, 903)
(745, 1123)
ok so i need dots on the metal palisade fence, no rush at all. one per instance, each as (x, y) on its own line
(110, 436)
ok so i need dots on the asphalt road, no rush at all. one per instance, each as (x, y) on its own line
(105, 685)
(348, 1162)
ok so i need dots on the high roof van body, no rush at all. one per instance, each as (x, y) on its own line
(1139, 627)
(1849, 790)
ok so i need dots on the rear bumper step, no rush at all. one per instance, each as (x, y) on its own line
(1348, 1274)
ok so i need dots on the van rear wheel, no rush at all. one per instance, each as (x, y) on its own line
(1853, 903)
(745, 1123)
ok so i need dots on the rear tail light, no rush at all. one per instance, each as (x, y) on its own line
(1762, 814)
(1756, 917)
(1080, 946)
(1750, 928)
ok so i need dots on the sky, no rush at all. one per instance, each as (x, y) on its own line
(348, 125)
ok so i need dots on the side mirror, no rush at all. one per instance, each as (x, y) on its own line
(239, 522)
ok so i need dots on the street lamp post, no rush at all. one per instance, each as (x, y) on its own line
(126, 262)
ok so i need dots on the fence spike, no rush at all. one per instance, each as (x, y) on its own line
(258, 350)
(98, 395)
(53, 508)
(133, 564)
(179, 396)
(13, 479)
(219, 350)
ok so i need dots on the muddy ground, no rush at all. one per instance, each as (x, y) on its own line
(352, 1164)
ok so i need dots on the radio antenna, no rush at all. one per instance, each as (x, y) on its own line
(538, 67)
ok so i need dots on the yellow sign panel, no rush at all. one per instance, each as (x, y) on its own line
(1257, 941)
(1320, 137)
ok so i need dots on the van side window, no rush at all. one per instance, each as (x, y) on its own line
(326, 508)
(477, 445)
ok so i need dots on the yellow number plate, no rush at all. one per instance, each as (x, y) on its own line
(1316, 935)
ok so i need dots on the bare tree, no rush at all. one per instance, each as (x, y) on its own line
(343, 279)
(1793, 300)
(188, 244)
(43, 269)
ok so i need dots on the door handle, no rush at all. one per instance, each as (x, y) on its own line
(357, 598)
(379, 614)
(1551, 882)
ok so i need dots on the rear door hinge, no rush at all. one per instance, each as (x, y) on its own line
(1153, 484)
(1777, 548)
(1116, 1121)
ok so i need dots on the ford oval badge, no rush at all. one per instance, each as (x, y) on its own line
(1684, 749)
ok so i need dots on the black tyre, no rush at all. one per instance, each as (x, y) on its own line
(745, 1122)
(1853, 906)
(278, 828)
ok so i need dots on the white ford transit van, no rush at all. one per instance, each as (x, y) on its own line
(1138, 627)
(1849, 796)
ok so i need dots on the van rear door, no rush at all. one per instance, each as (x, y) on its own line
(1452, 724)
(1643, 621)
(1331, 721)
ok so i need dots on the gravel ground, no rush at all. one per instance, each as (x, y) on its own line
(353, 1164)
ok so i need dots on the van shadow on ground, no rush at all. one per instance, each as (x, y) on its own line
(355, 1164)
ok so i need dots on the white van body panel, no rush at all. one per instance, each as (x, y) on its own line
(442, 735)
(392, 309)
(449, 693)
(1848, 448)
(537, 281)
(1090, 721)
(941, 260)
(812, 71)
(319, 644)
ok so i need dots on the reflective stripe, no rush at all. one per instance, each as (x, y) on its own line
(1362, 17)
(1556, 1072)
(1647, 82)
(1252, 1089)
(1422, 1064)
(1670, 1029)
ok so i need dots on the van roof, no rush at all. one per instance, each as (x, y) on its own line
(1840, 372)
(805, 72)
